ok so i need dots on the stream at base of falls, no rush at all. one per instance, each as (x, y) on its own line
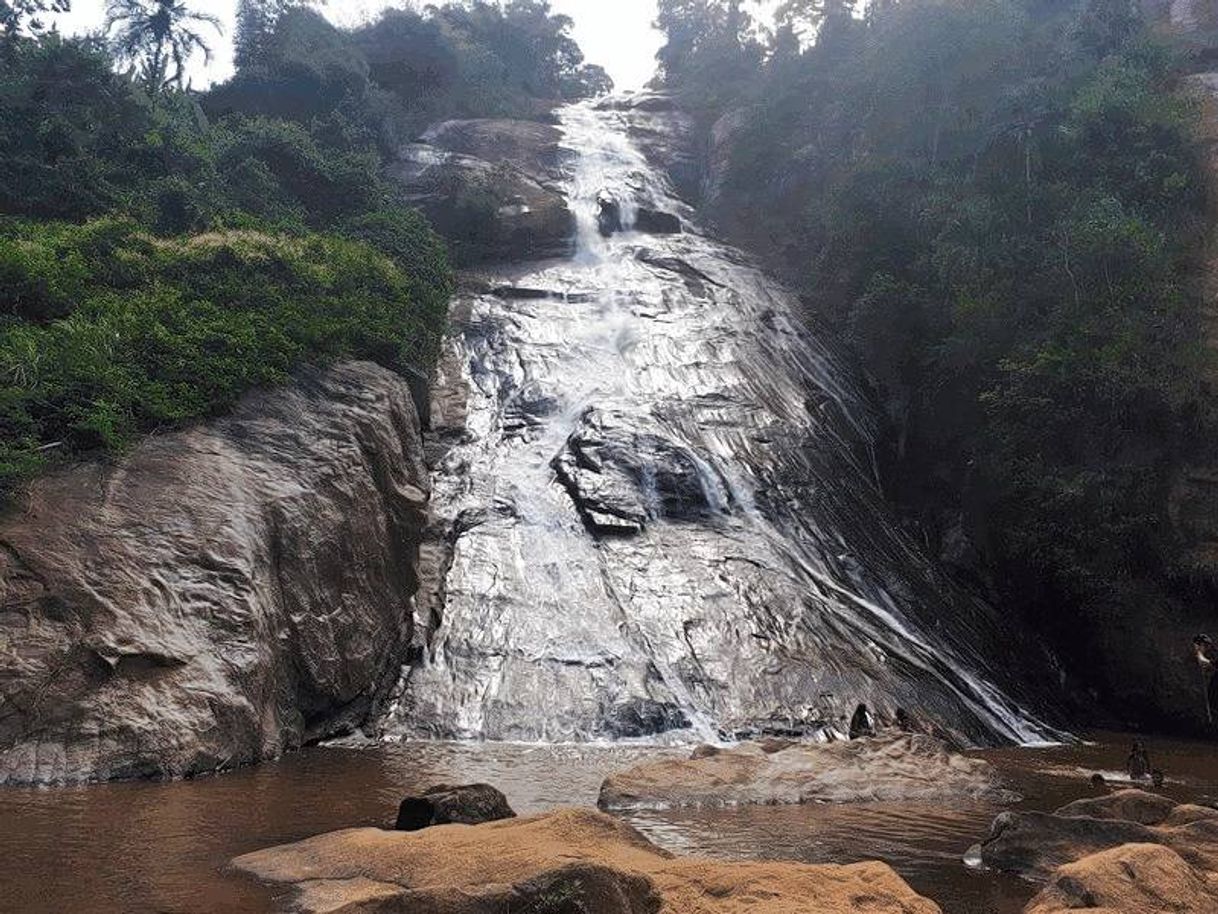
(163, 847)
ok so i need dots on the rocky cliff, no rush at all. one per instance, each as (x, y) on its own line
(218, 596)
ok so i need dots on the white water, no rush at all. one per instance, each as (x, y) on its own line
(759, 583)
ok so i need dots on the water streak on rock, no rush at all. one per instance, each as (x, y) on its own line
(660, 510)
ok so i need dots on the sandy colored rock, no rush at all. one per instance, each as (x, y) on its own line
(571, 861)
(907, 767)
(1130, 852)
(219, 595)
(1128, 805)
(1131, 879)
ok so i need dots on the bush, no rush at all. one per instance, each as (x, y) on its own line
(136, 333)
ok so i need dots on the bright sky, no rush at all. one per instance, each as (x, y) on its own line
(617, 34)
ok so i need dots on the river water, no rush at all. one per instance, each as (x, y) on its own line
(164, 847)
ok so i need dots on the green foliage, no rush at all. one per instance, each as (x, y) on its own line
(18, 17)
(136, 333)
(159, 36)
(996, 202)
(162, 252)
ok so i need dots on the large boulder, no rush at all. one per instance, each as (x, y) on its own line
(219, 595)
(566, 862)
(1129, 852)
(1131, 879)
(490, 187)
(472, 804)
(910, 767)
(620, 478)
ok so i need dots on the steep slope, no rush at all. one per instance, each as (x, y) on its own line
(218, 596)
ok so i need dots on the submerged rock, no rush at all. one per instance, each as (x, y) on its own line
(218, 596)
(884, 769)
(568, 862)
(473, 804)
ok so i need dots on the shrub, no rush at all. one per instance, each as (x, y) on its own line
(134, 333)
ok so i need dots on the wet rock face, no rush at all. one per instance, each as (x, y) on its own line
(909, 768)
(218, 596)
(656, 507)
(488, 185)
(667, 135)
(472, 804)
(571, 861)
(619, 479)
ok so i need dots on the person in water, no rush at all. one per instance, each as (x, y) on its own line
(1138, 764)
(1206, 653)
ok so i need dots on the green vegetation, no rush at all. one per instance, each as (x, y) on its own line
(145, 333)
(996, 203)
(162, 251)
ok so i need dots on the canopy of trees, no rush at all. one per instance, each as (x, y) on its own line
(996, 204)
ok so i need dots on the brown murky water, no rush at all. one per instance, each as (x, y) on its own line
(163, 848)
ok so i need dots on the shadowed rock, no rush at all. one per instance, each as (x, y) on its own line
(488, 185)
(886, 769)
(619, 479)
(567, 862)
(473, 804)
(218, 596)
(655, 222)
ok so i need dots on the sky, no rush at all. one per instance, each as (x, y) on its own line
(617, 34)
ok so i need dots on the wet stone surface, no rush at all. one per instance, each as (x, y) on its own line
(656, 509)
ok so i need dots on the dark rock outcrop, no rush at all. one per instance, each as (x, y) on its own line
(567, 862)
(1037, 844)
(619, 479)
(656, 222)
(472, 804)
(883, 769)
(218, 596)
(488, 185)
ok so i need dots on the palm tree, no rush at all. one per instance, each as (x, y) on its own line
(160, 36)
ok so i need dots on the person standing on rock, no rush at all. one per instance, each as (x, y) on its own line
(1207, 658)
(1139, 762)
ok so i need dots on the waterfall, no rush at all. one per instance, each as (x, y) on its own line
(661, 512)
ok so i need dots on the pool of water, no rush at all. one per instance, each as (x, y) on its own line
(164, 847)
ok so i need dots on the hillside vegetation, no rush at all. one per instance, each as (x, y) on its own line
(997, 205)
(163, 250)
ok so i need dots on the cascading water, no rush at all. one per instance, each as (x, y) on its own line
(661, 515)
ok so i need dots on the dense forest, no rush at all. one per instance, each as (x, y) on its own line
(163, 250)
(997, 205)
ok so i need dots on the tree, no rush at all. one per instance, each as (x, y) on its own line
(709, 42)
(256, 22)
(160, 36)
(17, 16)
(814, 17)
